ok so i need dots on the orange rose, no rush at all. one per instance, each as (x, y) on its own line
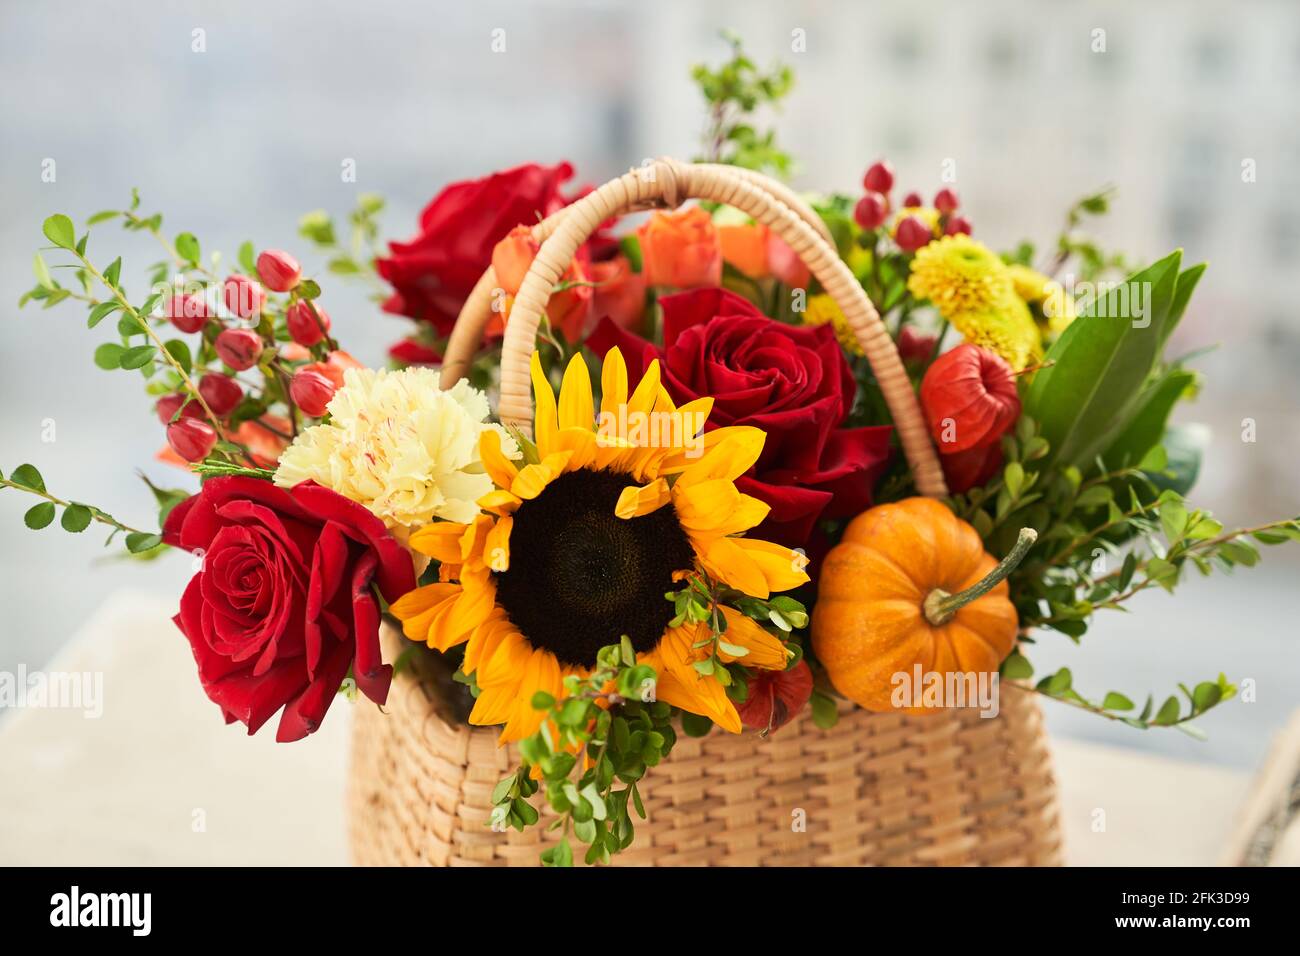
(570, 308)
(619, 293)
(681, 249)
(745, 248)
(512, 257)
(567, 310)
(786, 264)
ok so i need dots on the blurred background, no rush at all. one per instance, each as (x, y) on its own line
(237, 140)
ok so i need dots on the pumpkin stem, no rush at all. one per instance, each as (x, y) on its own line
(940, 606)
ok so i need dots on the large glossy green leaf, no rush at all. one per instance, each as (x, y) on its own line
(1146, 423)
(1098, 366)
(1187, 280)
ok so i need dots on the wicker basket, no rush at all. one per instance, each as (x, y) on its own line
(952, 788)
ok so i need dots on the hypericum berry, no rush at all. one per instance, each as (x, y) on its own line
(192, 439)
(945, 200)
(957, 224)
(244, 297)
(303, 327)
(239, 348)
(311, 391)
(871, 210)
(168, 405)
(278, 270)
(221, 392)
(189, 312)
(911, 200)
(879, 178)
(911, 234)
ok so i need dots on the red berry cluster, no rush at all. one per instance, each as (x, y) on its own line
(309, 386)
(912, 232)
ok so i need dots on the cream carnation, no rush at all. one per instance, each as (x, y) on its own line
(399, 445)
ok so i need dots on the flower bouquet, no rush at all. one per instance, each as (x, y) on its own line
(778, 493)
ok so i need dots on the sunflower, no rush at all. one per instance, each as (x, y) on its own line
(579, 543)
(959, 275)
(1052, 309)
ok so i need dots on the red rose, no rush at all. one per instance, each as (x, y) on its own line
(792, 382)
(284, 603)
(433, 274)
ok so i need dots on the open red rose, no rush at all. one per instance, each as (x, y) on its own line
(433, 274)
(284, 602)
(792, 382)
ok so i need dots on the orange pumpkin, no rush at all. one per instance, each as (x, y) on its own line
(910, 584)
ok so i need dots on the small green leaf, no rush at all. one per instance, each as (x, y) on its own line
(1017, 667)
(188, 247)
(98, 313)
(138, 541)
(104, 216)
(113, 271)
(137, 357)
(28, 477)
(1168, 712)
(180, 351)
(42, 272)
(60, 231)
(76, 518)
(247, 258)
(824, 711)
(1117, 701)
(39, 516)
(109, 356)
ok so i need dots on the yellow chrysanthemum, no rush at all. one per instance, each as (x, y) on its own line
(400, 445)
(577, 548)
(1006, 328)
(822, 309)
(959, 275)
(1051, 307)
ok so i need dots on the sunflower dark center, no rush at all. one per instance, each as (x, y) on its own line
(580, 577)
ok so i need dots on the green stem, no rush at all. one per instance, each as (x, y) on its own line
(100, 516)
(148, 330)
(940, 606)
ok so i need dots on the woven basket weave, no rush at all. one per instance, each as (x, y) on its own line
(951, 788)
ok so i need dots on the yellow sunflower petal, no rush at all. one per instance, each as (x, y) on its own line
(471, 541)
(765, 650)
(416, 609)
(499, 502)
(453, 621)
(732, 456)
(533, 479)
(542, 672)
(494, 705)
(576, 404)
(646, 392)
(440, 541)
(682, 686)
(613, 382)
(581, 445)
(637, 500)
(487, 637)
(545, 420)
(496, 548)
(500, 469)
(503, 667)
(716, 508)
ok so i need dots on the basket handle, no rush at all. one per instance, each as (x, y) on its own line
(665, 184)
